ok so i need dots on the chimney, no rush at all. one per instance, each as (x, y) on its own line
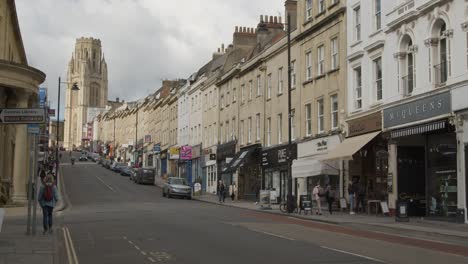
(117, 99)
(244, 36)
(291, 9)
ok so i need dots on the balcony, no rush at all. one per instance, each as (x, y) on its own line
(408, 84)
(440, 73)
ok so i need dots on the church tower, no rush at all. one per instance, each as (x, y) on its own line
(87, 68)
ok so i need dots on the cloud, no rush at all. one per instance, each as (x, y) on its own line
(144, 41)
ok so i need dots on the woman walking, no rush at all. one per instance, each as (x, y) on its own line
(316, 193)
(48, 197)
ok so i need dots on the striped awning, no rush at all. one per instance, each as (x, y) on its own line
(420, 129)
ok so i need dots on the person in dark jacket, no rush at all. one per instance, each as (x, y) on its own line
(221, 189)
(48, 198)
(330, 197)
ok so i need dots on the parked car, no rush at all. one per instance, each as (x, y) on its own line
(177, 187)
(83, 158)
(117, 167)
(125, 171)
(98, 160)
(145, 176)
(106, 164)
(133, 174)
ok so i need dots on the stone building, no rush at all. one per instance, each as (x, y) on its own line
(19, 86)
(88, 69)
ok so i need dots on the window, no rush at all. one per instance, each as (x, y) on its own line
(242, 133)
(269, 131)
(308, 115)
(280, 128)
(233, 127)
(378, 19)
(269, 86)
(227, 131)
(357, 88)
(221, 131)
(250, 89)
(378, 78)
(242, 93)
(249, 135)
(320, 60)
(308, 9)
(321, 6)
(259, 85)
(215, 133)
(334, 54)
(222, 101)
(293, 124)
(234, 95)
(257, 127)
(293, 74)
(280, 80)
(357, 23)
(320, 119)
(441, 69)
(309, 65)
(334, 111)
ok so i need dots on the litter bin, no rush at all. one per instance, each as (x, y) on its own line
(461, 216)
(401, 211)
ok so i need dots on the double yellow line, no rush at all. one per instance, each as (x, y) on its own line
(71, 253)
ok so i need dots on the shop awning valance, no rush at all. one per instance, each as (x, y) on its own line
(312, 166)
(349, 147)
(421, 129)
(237, 161)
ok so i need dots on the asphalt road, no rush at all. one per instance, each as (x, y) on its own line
(112, 220)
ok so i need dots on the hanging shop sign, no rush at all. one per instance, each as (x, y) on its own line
(174, 153)
(364, 125)
(186, 152)
(157, 148)
(147, 138)
(425, 108)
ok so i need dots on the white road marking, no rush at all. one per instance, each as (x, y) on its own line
(71, 253)
(108, 186)
(137, 248)
(271, 234)
(151, 259)
(130, 242)
(353, 254)
(125, 237)
(143, 253)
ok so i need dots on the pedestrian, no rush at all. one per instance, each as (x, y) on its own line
(232, 191)
(330, 197)
(316, 192)
(351, 198)
(221, 191)
(360, 192)
(48, 197)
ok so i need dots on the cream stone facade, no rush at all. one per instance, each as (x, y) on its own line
(18, 89)
(88, 69)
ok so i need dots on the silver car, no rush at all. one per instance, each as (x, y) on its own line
(177, 187)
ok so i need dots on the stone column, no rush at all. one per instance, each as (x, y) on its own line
(21, 162)
(392, 172)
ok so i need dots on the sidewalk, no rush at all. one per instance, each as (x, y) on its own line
(371, 221)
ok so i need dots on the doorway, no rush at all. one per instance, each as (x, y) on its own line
(412, 178)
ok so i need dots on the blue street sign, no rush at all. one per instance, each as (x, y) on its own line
(42, 96)
(33, 129)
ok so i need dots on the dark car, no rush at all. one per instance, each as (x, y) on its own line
(117, 167)
(177, 187)
(145, 176)
(125, 171)
(106, 164)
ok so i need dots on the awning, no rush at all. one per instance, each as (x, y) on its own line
(421, 129)
(237, 161)
(349, 147)
(312, 166)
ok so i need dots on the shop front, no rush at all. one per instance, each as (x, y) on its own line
(247, 164)
(210, 172)
(460, 108)
(363, 159)
(275, 171)
(308, 169)
(425, 144)
(185, 163)
(197, 164)
(172, 161)
(163, 161)
(224, 155)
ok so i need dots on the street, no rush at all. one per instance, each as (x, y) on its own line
(109, 219)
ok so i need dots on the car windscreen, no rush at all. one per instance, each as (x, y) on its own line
(178, 181)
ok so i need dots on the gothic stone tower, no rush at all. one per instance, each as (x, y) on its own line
(88, 69)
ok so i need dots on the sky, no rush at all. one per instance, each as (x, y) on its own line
(144, 41)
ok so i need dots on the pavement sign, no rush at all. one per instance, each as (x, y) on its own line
(22, 116)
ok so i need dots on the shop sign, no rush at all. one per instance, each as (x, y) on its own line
(207, 151)
(174, 153)
(279, 156)
(157, 148)
(147, 138)
(196, 152)
(425, 108)
(186, 152)
(318, 146)
(212, 156)
(364, 125)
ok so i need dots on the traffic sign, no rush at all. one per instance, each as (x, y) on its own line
(33, 129)
(22, 116)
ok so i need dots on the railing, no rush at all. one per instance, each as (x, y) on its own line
(408, 84)
(440, 72)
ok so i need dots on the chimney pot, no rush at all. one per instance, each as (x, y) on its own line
(219, 50)
(261, 18)
(275, 19)
(280, 20)
(237, 29)
(117, 99)
(244, 30)
(271, 19)
(222, 48)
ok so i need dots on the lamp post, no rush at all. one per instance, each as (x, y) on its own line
(74, 88)
(290, 198)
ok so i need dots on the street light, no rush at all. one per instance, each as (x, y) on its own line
(74, 88)
(290, 197)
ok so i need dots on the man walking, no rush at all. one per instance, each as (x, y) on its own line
(221, 191)
(48, 197)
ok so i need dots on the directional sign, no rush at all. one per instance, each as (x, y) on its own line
(22, 116)
(34, 129)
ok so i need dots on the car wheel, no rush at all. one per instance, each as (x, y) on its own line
(163, 194)
(168, 195)
(189, 197)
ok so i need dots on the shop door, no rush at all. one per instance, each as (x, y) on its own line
(163, 167)
(412, 179)
(284, 185)
(189, 172)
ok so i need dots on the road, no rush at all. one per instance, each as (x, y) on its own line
(112, 220)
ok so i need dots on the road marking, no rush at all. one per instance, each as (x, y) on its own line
(353, 254)
(137, 248)
(271, 234)
(108, 186)
(151, 259)
(143, 253)
(130, 242)
(71, 253)
(125, 237)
